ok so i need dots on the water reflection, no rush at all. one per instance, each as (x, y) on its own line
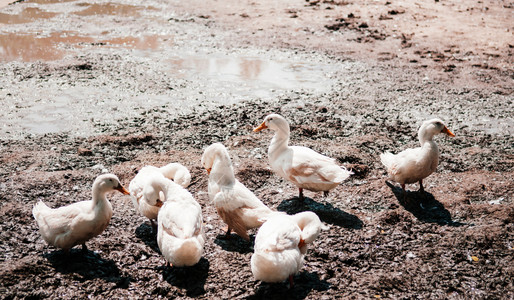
(32, 47)
(150, 42)
(257, 72)
(29, 47)
(113, 9)
(27, 15)
(47, 1)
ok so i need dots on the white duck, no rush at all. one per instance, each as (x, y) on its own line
(280, 246)
(75, 224)
(175, 171)
(239, 208)
(415, 164)
(180, 232)
(302, 166)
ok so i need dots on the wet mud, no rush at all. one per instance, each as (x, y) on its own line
(109, 102)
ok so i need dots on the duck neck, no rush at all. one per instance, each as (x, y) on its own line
(169, 170)
(99, 199)
(309, 227)
(279, 143)
(424, 137)
(161, 184)
(222, 171)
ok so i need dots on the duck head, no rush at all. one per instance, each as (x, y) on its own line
(213, 152)
(310, 226)
(152, 191)
(432, 127)
(274, 122)
(109, 182)
(218, 164)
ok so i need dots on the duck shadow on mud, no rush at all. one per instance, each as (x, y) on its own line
(235, 243)
(148, 235)
(192, 279)
(325, 211)
(423, 206)
(304, 283)
(88, 265)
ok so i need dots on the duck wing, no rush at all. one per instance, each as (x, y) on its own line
(57, 224)
(278, 234)
(234, 220)
(308, 166)
(181, 219)
(397, 164)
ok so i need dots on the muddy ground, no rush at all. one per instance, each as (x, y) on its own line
(397, 65)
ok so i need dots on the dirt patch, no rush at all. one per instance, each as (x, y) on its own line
(375, 243)
(453, 241)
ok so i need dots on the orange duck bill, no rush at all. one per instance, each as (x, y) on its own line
(447, 131)
(122, 190)
(261, 127)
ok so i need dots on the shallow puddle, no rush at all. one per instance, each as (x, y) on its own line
(150, 42)
(28, 15)
(48, 1)
(209, 78)
(32, 47)
(111, 9)
(254, 76)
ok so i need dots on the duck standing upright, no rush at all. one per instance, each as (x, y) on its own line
(239, 208)
(75, 224)
(304, 167)
(281, 244)
(180, 175)
(414, 164)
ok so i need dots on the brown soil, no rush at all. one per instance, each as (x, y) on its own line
(400, 63)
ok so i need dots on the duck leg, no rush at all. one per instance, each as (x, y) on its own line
(290, 281)
(421, 189)
(84, 248)
(227, 234)
(154, 226)
(404, 193)
(300, 195)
